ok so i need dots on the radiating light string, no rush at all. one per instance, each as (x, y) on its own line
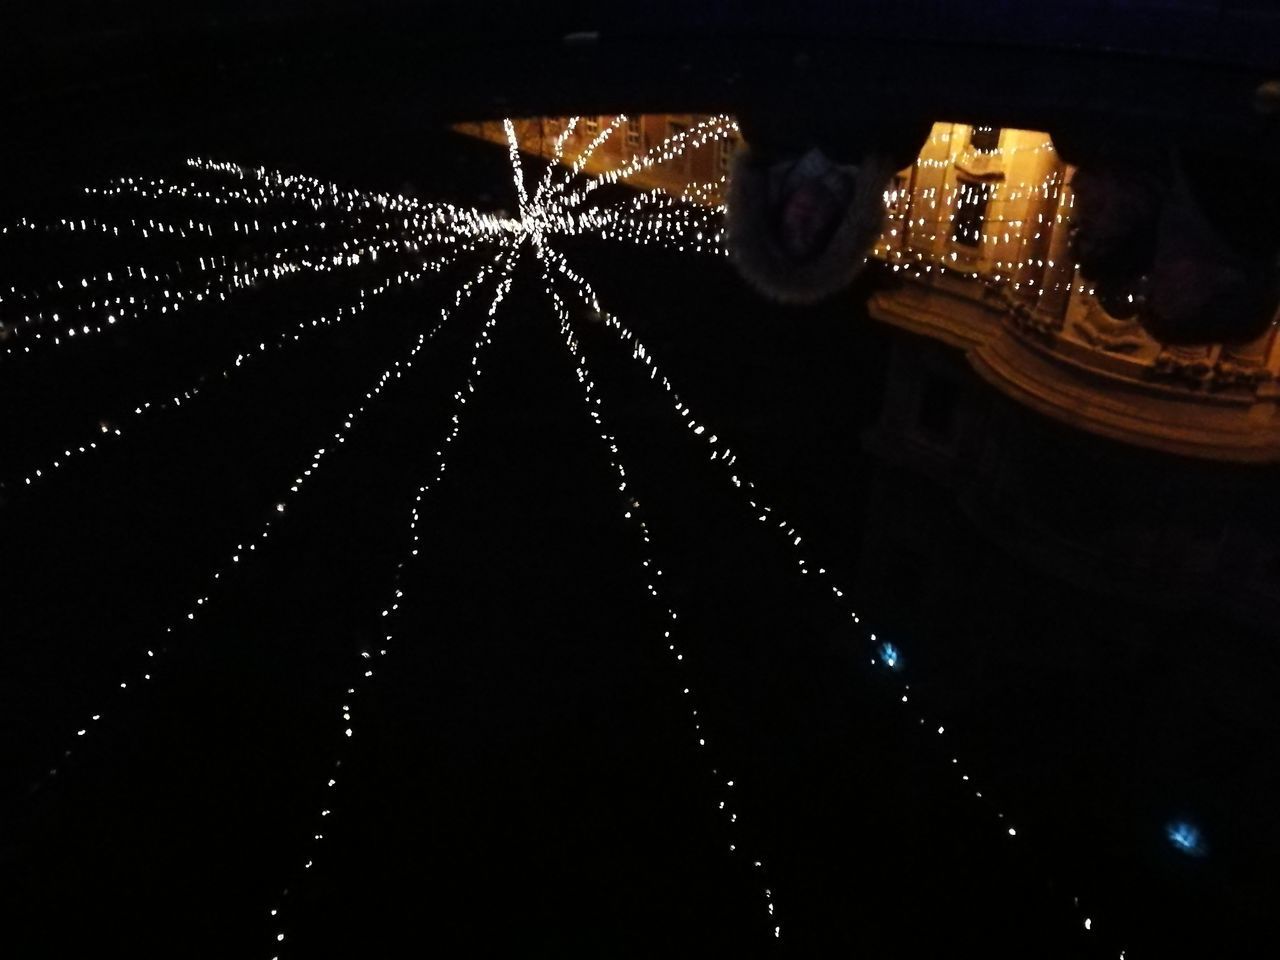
(289, 191)
(669, 233)
(240, 276)
(111, 428)
(552, 213)
(423, 232)
(554, 187)
(557, 154)
(390, 612)
(766, 515)
(147, 229)
(310, 190)
(244, 549)
(439, 215)
(704, 132)
(532, 222)
(631, 511)
(589, 150)
(517, 168)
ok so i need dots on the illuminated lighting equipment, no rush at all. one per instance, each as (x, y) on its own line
(747, 489)
(51, 328)
(1186, 838)
(557, 154)
(391, 609)
(243, 550)
(110, 427)
(690, 223)
(651, 573)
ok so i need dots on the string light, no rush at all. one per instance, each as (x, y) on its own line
(241, 276)
(284, 187)
(554, 209)
(557, 154)
(594, 145)
(112, 428)
(534, 220)
(391, 610)
(747, 489)
(631, 511)
(250, 546)
(704, 132)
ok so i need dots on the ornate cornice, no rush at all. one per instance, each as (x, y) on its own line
(1196, 404)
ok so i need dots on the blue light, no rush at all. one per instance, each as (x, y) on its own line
(889, 654)
(1186, 838)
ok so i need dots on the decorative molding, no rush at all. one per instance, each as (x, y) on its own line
(1189, 403)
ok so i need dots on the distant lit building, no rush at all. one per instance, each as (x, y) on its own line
(703, 168)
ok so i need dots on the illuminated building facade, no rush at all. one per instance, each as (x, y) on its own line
(705, 166)
(986, 294)
(979, 230)
(977, 234)
(982, 289)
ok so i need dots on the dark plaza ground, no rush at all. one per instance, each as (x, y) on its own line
(523, 779)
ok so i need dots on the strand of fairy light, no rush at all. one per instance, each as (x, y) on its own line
(447, 211)
(707, 194)
(151, 229)
(670, 232)
(391, 611)
(580, 161)
(110, 429)
(250, 546)
(160, 188)
(311, 190)
(276, 187)
(690, 200)
(442, 215)
(291, 187)
(125, 272)
(674, 223)
(532, 220)
(238, 277)
(631, 512)
(557, 155)
(517, 168)
(148, 229)
(881, 652)
(551, 210)
(595, 144)
(242, 275)
(704, 132)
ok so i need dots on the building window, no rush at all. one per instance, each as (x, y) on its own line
(591, 125)
(725, 149)
(675, 129)
(985, 139)
(633, 131)
(971, 212)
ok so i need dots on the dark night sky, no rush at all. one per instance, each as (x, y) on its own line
(523, 778)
